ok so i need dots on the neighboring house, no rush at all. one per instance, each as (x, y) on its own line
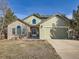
(41, 27)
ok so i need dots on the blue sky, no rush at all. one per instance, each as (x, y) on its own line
(23, 8)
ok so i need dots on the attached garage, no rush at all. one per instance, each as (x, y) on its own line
(55, 27)
(60, 33)
(54, 33)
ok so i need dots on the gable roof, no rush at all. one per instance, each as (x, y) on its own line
(63, 17)
(38, 16)
(46, 18)
(43, 18)
(57, 15)
(21, 22)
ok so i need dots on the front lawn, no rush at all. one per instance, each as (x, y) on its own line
(27, 49)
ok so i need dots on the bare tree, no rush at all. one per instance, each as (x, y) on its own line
(3, 9)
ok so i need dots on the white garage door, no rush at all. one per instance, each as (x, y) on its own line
(60, 33)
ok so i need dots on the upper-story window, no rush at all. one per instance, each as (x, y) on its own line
(34, 21)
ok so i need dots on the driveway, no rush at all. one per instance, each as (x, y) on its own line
(67, 49)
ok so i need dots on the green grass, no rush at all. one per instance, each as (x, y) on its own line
(28, 49)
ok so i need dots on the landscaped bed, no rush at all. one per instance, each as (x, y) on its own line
(27, 49)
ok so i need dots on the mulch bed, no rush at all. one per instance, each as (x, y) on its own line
(27, 49)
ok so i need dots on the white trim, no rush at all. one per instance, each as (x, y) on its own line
(56, 27)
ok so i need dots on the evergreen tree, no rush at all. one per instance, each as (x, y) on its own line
(9, 17)
(76, 19)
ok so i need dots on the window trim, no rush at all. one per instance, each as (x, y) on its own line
(20, 32)
(34, 21)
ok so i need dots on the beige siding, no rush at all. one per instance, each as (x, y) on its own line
(46, 27)
(14, 25)
(29, 20)
(45, 33)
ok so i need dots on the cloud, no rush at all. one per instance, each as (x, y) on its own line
(69, 16)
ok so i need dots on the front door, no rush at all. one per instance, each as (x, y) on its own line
(34, 33)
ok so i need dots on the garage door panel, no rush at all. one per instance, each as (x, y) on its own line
(60, 33)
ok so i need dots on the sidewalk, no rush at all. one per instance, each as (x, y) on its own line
(67, 49)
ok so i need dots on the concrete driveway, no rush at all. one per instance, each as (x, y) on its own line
(67, 49)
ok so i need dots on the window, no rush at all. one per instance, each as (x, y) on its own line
(19, 30)
(33, 21)
(13, 31)
(24, 31)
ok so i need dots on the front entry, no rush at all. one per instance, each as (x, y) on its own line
(34, 32)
